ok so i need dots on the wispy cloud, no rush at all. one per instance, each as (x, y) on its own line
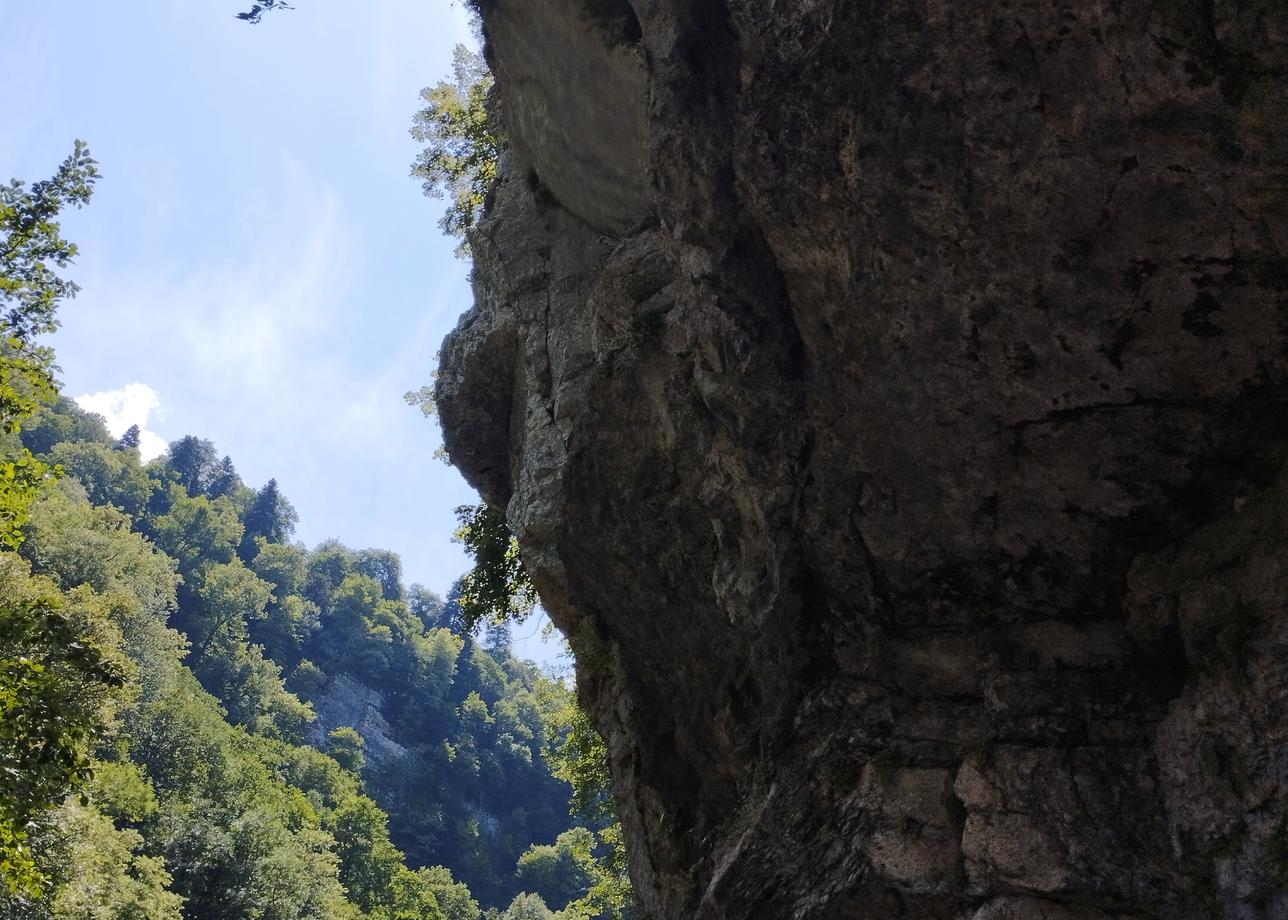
(132, 404)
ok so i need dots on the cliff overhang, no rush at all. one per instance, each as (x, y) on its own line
(890, 400)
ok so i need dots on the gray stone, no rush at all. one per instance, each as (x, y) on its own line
(905, 470)
(346, 702)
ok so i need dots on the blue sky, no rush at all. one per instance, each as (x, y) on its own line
(256, 258)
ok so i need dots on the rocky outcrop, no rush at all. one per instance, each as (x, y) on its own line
(890, 400)
(346, 702)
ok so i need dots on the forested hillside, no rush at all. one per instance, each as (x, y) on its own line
(201, 719)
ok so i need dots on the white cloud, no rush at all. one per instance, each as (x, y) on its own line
(132, 404)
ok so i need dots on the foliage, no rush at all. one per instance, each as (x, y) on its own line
(56, 676)
(31, 292)
(270, 518)
(462, 143)
(422, 398)
(108, 476)
(578, 755)
(345, 747)
(524, 907)
(257, 10)
(21, 479)
(113, 877)
(207, 764)
(30, 244)
(195, 464)
(560, 872)
(452, 897)
(77, 543)
(498, 587)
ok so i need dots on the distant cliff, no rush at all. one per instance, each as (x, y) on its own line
(890, 397)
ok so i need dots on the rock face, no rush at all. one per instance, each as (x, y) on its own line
(891, 399)
(346, 702)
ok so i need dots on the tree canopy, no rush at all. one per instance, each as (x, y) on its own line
(462, 143)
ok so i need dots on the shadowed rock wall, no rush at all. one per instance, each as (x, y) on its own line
(890, 397)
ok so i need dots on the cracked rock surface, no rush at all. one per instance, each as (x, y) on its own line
(891, 400)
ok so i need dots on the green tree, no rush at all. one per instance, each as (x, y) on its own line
(231, 595)
(560, 872)
(130, 440)
(426, 606)
(77, 543)
(385, 567)
(108, 476)
(525, 906)
(498, 587)
(105, 875)
(346, 748)
(307, 680)
(225, 480)
(462, 143)
(195, 463)
(62, 420)
(271, 518)
(372, 868)
(31, 291)
(577, 754)
(196, 532)
(453, 898)
(57, 672)
(30, 244)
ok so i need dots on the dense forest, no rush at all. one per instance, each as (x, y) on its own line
(202, 719)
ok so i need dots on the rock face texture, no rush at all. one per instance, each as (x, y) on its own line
(891, 399)
(346, 702)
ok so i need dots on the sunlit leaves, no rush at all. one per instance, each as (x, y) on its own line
(55, 677)
(462, 144)
(498, 587)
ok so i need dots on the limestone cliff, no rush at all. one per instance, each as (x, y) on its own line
(891, 398)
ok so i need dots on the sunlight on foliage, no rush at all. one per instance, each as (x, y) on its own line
(498, 587)
(462, 143)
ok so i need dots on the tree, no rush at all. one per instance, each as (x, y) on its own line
(130, 440)
(270, 516)
(31, 292)
(77, 543)
(426, 606)
(346, 747)
(230, 596)
(195, 463)
(30, 244)
(498, 588)
(386, 568)
(105, 874)
(463, 143)
(453, 897)
(108, 476)
(56, 674)
(62, 420)
(560, 872)
(196, 532)
(225, 480)
(524, 907)
(578, 755)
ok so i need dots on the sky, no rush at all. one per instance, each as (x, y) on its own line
(257, 266)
